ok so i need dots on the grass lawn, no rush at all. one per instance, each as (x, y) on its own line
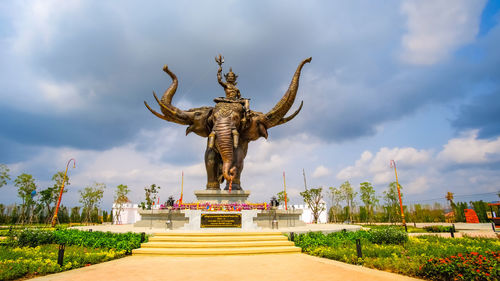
(411, 229)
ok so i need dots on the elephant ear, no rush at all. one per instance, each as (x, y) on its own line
(257, 126)
(201, 122)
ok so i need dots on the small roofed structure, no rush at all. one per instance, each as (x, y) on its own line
(493, 213)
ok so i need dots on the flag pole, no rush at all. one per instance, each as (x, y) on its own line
(182, 187)
(284, 184)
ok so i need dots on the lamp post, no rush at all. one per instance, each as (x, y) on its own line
(393, 165)
(54, 219)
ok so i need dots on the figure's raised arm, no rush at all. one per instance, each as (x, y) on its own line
(220, 60)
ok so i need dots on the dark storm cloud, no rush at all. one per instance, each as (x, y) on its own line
(483, 114)
(483, 111)
(353, 84)
(12, 151)
(81, 130)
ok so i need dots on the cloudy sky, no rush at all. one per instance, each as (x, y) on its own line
(413, 81)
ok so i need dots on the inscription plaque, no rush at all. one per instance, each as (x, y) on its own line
(220, 220)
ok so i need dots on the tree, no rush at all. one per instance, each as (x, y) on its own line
(90, 197)
(4, 174)
(75, 215)
(449, 197)
(151, 194)
(313, 197)
(392, 202)
(459, 211)
(336, 196)
(348, 195)
(480, 207)
(120, 199)
(25, 184)
(63, 215)
(369, 198)
(281, 197)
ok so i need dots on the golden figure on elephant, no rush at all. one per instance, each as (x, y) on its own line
(229, 125)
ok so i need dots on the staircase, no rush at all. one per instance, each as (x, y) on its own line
(222, 243)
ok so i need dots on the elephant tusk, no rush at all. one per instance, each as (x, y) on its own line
(284, 120)
(211, 140)
(236, 137)
(155, 113)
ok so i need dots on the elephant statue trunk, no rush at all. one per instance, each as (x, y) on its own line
(225, 145)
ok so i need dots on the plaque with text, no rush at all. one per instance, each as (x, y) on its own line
(220, 220)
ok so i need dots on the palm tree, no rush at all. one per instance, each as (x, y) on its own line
(449, 197)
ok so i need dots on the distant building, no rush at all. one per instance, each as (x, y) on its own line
(307, 215)
(128, 215)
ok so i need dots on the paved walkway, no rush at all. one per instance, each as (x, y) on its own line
(250, 267)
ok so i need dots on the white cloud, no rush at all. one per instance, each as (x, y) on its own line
(61, 96)
(418, 185)
(425, 171)
(139, 166)
(378, 166)
(37, 25)
(437, 28)
(321, 171)
(468, 149)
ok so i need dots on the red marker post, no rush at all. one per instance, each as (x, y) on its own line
(54, 219)
(393, 165)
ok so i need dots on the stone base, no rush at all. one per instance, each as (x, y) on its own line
(247, 221)
(159, 218)
(221, 196)
(252, 220)
(285, 218)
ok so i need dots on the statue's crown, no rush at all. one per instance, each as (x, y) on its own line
(231, 73)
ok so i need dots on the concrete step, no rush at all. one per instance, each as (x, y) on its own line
(216, 251)
(218, 243)
(217, 238)
(241, 244)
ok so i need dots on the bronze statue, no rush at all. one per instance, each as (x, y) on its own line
(229, 125)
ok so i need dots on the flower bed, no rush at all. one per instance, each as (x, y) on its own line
(218, 207)
(428, 257)
(17, 262)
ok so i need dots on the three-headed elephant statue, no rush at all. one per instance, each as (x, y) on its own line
(229, 126)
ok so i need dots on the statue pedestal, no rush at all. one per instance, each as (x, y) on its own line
(221, 196)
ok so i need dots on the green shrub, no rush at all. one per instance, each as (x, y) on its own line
(438, 228)
(96, 239)
(388, 235)
(33, 237)
(312, 240)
